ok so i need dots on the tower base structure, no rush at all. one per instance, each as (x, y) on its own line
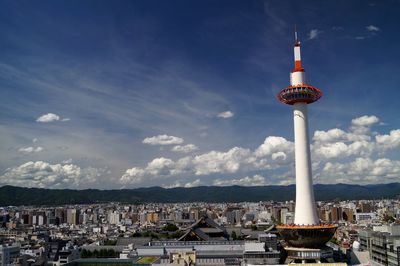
(308, 255)
(306, 243)
(307, 236)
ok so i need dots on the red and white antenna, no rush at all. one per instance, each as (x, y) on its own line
(297, 54)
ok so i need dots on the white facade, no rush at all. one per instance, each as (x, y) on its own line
(297, 78)
(305, 212)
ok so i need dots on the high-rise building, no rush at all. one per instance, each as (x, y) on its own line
(71, 216)
(307, 236)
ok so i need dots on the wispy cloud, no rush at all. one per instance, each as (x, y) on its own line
(314, 33)
(372, 28)
(256, 180)
(337, 28)
(47, 118)
(226, 114)
(50, 117)
(185, 148)
(163, 140)
(27, 150)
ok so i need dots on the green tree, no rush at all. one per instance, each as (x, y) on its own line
(84, 254)
(110, 242)
(170, 227)
(102, 253)
(233, 235)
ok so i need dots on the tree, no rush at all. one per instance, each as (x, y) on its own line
(233, 235)
(388, 218)
(170, 227)
(84, 254)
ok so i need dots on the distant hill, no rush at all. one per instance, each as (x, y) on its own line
(16, 196)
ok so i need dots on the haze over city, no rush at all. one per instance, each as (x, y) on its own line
(129, 94)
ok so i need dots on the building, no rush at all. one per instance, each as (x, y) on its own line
(364, 217)
(206, 252)
(9, 254)
(257, 254)
(383, 244)
(66, 255)
(205, 229)
(393, 253)
(72, 216)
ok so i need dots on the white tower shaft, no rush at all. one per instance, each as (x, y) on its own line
(305, 212)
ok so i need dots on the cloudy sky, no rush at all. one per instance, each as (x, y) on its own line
(124, 94)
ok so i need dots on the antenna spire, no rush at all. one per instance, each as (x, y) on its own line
(295, 33)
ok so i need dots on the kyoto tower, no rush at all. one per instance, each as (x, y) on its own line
(307, 233)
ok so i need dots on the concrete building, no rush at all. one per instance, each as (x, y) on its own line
(383, 244)
(257, 254)
(9, 254)
(71, 216)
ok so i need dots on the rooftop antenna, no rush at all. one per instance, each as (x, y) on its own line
(295, 34)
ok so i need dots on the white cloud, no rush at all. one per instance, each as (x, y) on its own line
(213, 162)
(163, 140)
(274, 144)
(68, 161)
(256, 180)
(336, 134)
(226, 114)
(361, 125)
(221, 162)
(132, 176)
(329, 136)
(314, 33)
(366, 120)
(160, 167)
(185, 148)
(372, 28)
(343, 150)
(157, 168)
(331, 149)
(27, 150)
(361, 171)
(45, 175)
(388, 142)
(208, 163)
(35, 140)
(50, 117)
(194, 183)
(47, 118)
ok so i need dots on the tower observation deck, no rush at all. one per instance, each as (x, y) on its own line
(307, 231)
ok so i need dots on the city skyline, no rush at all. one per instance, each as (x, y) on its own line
(126, 95)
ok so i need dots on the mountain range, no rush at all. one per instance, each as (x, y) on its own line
(16, 196)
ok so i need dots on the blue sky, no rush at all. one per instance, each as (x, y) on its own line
(123, 94)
